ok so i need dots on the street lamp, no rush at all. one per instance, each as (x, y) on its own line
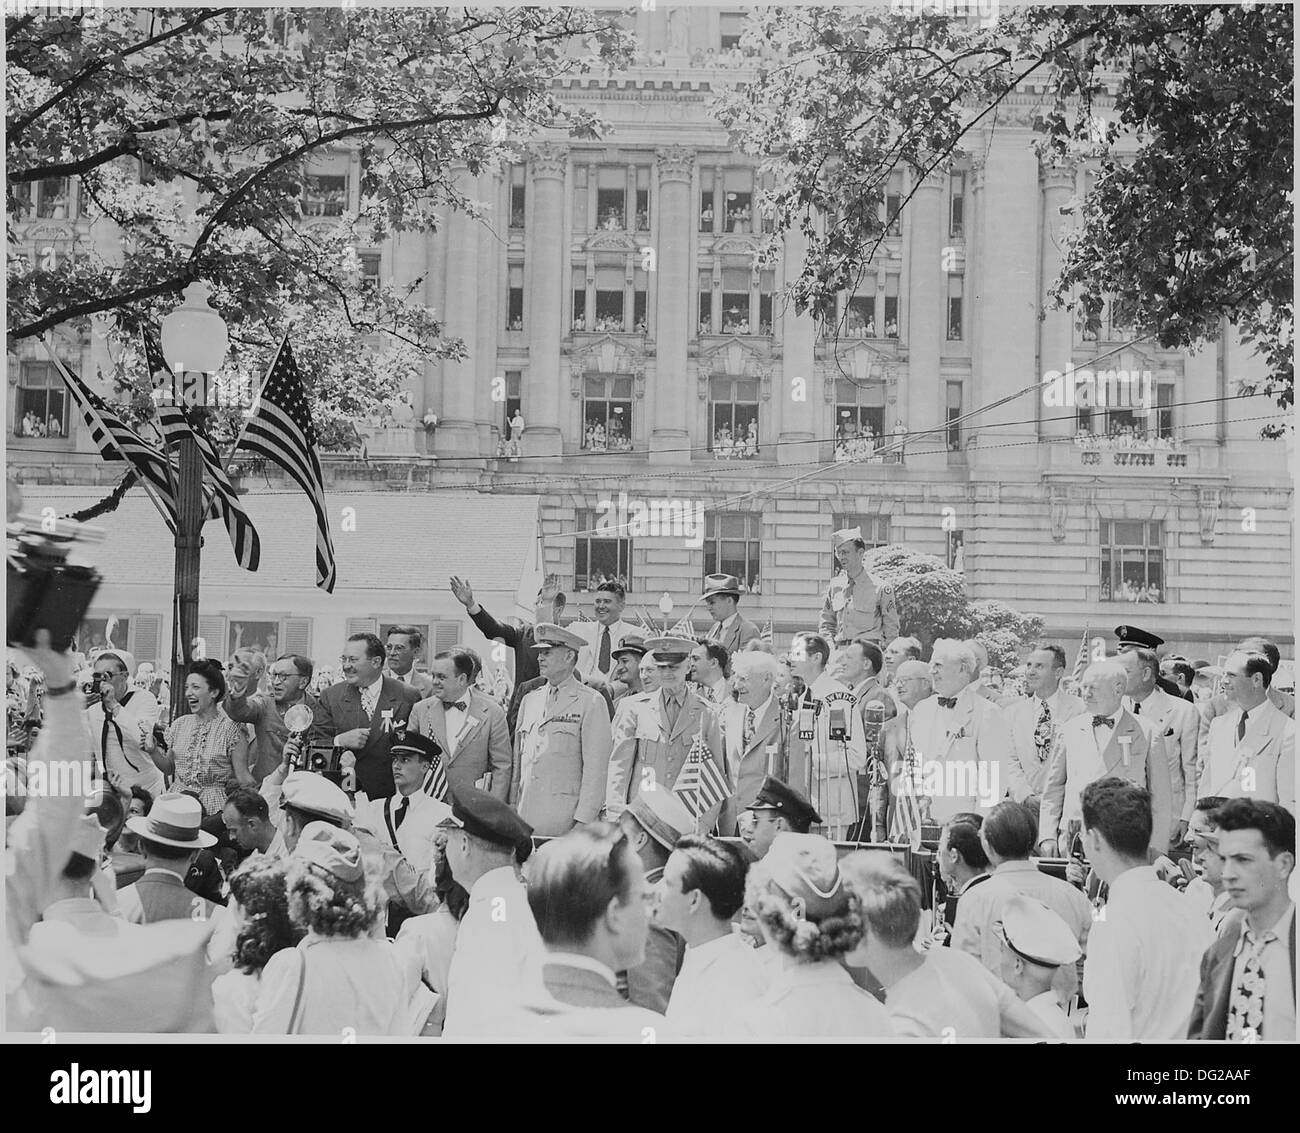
(194, 344)
(666, 607)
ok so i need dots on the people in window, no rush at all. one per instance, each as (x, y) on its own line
(517, 323)
(706, 218)
(706, 326)
(891, 328)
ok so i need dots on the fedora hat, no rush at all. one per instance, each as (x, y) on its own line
(173, 820)
(722, 586)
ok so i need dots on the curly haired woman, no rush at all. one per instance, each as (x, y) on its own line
(339, 979)
(260, 909)
(811, 920)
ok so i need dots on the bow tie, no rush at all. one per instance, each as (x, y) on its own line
(947, 702)
(1103, 721)
(459, 704)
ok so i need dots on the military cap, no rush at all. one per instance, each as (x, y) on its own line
(406, 742)
(846, 535)
(663, 815)
(1033, 931)
(1138, 638)
(669, 650)
(805, 867)
(487, 817)
(316, 795)
(721, 585)
(787, 802)
(546, 635)
(630, 644)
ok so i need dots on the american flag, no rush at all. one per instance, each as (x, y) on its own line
(766, 633)
(225, 505)
(700, 784)
(435, 780)
(684, 628)
(118, 441)
(280, 429)
(1081, 661)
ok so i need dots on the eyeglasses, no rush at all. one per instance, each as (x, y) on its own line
(273, 676)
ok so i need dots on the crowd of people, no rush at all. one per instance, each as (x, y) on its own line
(646, 836)
(741, 446)
(1128, 437)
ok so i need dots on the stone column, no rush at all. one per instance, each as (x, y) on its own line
(925, 321)
(490, 299)
(1005, 361)
(410, 252)
(800, 406)
(671, 397)
(548, 164)
(1056, 331)
(457, 434)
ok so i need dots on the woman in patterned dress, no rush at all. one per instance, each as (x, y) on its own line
(205, 752)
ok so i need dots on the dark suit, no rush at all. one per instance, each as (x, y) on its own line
(521, 641)
(1210, 1014)
(650, 983)
(340, 711)
(737, 635)
(483, 746)
(164, 897)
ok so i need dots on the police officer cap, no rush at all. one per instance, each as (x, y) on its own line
(1036, 933)
(316, 795)
(669, 650)
(787, 802)
(663, 815)
(487, 817)
(630, 644)
(412, 743)
(1131, 635)
(547, 635)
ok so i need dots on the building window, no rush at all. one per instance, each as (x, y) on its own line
(891, 306)
(859, 420)
(706, 201)
(640, 283)
(610, 298)
(893, 203)
(41, 408)
(954, 308)
(875, 531)
(54, 201)
(766, 291)
(739, 199)
(860, 318)
(324, 194)
(515, 298)
(733, 418)
(579, 298)
(706, 302)
(643, 198)
(514, 401)
(518, 190)
(611, 197)
(953, 416)
(22, 194)
(732, 25)
(607, 414)
(369, 268)
(957, 206)
(599, 558)
(1165, 410)
(1132, 561)
(735, 301)
(579, 198)
(732, 545)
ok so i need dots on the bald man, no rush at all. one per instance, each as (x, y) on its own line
(1105, 740)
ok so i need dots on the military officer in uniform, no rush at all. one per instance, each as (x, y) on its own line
(1130, 637)
(856, 604)
(778, 807)
(562, 741)
(627, 672)
(654, 735)
(1036, 942)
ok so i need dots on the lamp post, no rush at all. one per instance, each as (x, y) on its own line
(666, 607)
(194, 343)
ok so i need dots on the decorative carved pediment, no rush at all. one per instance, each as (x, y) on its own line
(734, 356)
(861, 361)
(611, 241)
(547, 159)
(736, 245)
(48, 232)
(609, 355)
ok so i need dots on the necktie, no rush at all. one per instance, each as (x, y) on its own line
(671, 709)
(1246, 1005)
(1241, 727)
(401, 812)
(603, 663)
(947, 702)
(1103, 721)
(369, 697)
(459, 704)
(1043, 731)
(1137, 708)
(748, 733)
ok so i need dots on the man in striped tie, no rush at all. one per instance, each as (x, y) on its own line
(604, 635)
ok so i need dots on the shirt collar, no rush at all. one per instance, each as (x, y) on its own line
(587, 963)
(376, 686)
(1017, 867)
(1280, 929)
(678, 697)
(972, 881)
(703, 953)
(1135, 878)
(161, 869)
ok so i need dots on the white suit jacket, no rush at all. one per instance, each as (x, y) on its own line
(1261, 767)
(1025, 770)
(971, 734)
(1177, 721)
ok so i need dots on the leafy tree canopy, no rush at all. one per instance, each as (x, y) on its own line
(1185, 110)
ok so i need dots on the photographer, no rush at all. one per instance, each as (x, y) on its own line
(119, 720)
